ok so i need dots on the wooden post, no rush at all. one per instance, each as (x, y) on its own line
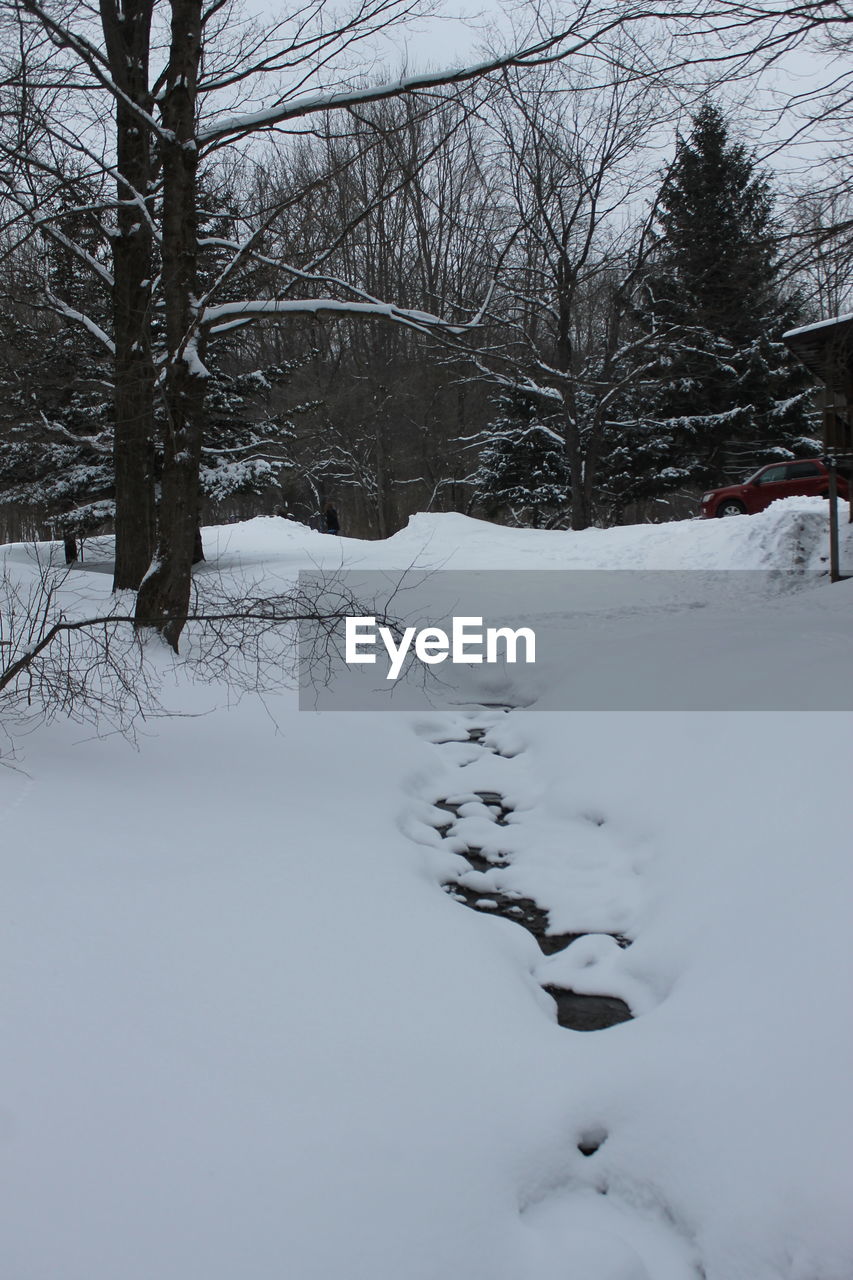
(834, 574)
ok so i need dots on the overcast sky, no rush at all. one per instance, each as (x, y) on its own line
(444, 40)
(461, 34)
(466, 28)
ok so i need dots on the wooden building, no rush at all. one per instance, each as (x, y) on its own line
(827, 350)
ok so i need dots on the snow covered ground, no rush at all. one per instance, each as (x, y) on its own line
(247, 1033)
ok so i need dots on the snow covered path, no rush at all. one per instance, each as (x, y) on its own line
(576, 1215)
(248, 1033)
(718, 1053)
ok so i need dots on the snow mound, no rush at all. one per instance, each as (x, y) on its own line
(790, 534)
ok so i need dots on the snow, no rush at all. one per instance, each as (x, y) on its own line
(86, 321)
(819, 324)
(324, 100)
(193, 360)
(221, 317)
(791, 534)
(330, 100)
(247, 1034)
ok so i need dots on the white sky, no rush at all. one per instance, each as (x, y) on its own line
(444, 40)
(459, 35)
(462, 30)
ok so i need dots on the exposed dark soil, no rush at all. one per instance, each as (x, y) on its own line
(511, 906)
(579, 1012)
(588, 1013)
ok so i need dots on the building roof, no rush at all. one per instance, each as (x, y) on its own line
(826, 349)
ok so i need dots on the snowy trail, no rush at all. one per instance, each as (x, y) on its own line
(609, 1228)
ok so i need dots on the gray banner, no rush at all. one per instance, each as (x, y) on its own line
(574, 640)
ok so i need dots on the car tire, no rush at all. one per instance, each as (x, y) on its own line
(731, 507)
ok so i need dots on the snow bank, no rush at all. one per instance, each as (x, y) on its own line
(789, 534)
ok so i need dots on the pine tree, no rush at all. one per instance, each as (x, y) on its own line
(56, 419)
(57, 408)
(246, 435)
(727, 394)
(522, 478)
(247, 439)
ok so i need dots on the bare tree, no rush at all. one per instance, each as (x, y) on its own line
(143, 96)
(573, 181)
(398, 202)
(820, 247)
(59, 657)
(180, 89)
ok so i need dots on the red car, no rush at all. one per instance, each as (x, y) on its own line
(807, 476)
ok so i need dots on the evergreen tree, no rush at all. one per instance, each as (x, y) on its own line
(522, 478)
(247, 438)
(57, 439)
(56, 420)
(57, 414)
(727, 395)
(246, 435)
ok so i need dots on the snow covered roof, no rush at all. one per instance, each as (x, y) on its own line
(831, 323)
(826, 348)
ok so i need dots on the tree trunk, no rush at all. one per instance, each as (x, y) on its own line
(133, 444)
(592, 455)
(575, 454)
(581, 513)
(384, 482)
(563, 355)
(127, 32)
(164, 595)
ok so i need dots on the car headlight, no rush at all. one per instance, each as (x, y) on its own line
(706, 497)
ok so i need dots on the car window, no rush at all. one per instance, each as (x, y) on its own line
(772, 475)
(802, 470)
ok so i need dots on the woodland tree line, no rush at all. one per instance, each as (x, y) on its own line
(547, 290)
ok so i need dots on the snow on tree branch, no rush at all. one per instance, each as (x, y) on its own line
(543, 51)
(227, 315)
(79, 317)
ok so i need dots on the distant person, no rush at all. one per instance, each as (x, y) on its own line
(330, 516)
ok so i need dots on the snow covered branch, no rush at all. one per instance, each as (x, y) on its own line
(228, 315)
(566, 43)
(70, 313)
